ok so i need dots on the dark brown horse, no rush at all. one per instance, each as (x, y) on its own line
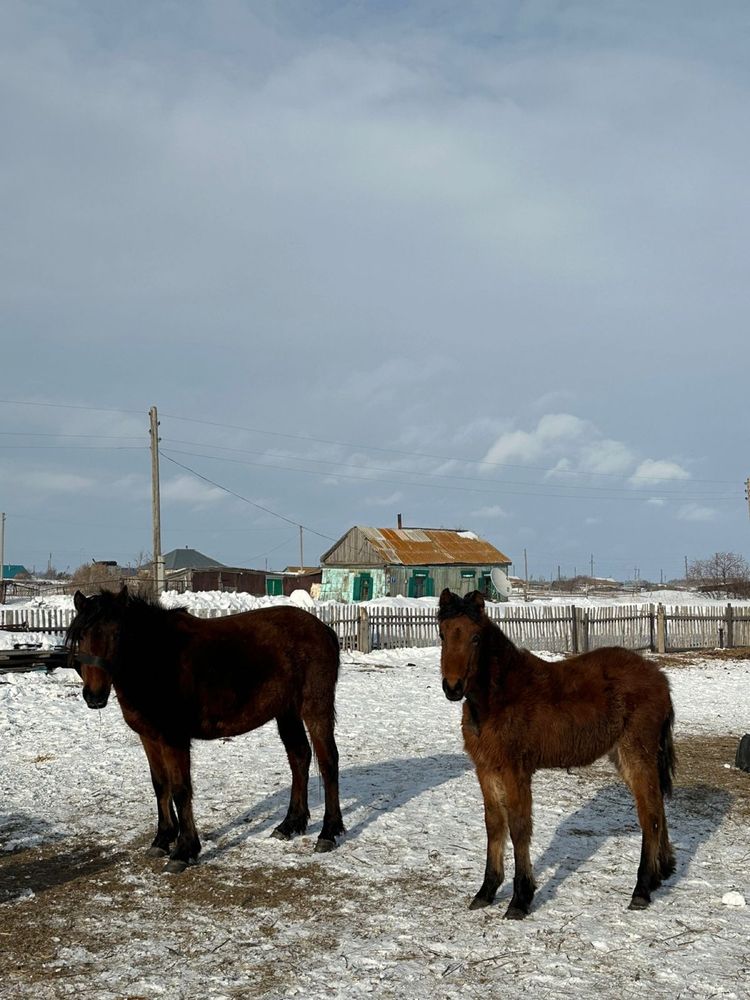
(521, 714)
(180, 678)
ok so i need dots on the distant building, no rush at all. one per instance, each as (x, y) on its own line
(188, 559)
(12, 570)
(368, 563)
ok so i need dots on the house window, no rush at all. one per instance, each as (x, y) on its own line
(421, 584)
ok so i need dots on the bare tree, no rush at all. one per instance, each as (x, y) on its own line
(724, 574)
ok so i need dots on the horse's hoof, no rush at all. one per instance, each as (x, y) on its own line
(175, 866)
(324, 846)
(479, 903)
(639, 903)
(514, 913)
(278, 834)
(156, 852)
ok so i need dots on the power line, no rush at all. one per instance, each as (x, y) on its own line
(239, 496)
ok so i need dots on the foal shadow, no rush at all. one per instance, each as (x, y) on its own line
(694, 814)
(368, 791)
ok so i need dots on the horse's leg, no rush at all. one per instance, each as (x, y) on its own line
(320, 726)
(657, 859)
(166, 827)
(187, 848)
(496, 823)
(518, 804)
(294, 738)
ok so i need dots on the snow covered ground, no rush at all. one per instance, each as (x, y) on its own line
(84, 913)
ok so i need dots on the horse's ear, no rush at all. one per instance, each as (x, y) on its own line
(476, 598)
(123, 596)
(79, 601)
(446, 598)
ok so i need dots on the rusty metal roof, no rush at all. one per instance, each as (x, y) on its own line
(432, 546)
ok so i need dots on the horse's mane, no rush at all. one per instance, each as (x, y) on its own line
(107, 606)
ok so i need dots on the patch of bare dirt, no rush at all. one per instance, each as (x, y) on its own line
(690, 657)
(702, 763)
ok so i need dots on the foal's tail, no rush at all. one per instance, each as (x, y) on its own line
(666, 757)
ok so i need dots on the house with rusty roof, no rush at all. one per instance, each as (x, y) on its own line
(369, 563)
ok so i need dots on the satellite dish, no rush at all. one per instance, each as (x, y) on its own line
(500, 582)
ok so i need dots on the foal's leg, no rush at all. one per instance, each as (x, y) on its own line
(294, 738)
(320, 726)
(187, 848)
(496, 823)
(166, 827)
(657, 859)
(518, 803)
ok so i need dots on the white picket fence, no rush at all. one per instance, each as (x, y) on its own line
(555, 628)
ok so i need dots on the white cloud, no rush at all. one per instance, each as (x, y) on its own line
(492, 510)
(187, 490)
(531, 446)
(696, 512)
(388, 501)
(653, 471)
(59, 482)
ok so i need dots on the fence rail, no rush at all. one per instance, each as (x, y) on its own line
(555, 628)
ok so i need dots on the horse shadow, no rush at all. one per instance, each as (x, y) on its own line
(371, 790)
(694, 814)
(28, 870)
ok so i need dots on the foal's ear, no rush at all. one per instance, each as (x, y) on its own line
(123, 596)
(446, 598)
(79, 601)
(476, 598)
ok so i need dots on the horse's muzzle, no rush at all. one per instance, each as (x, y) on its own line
(95, 700)
(455, 692)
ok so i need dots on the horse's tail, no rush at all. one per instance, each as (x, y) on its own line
(666, 757)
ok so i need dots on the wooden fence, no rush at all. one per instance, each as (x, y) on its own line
(555, 628)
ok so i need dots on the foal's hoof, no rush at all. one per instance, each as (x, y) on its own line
(639, 903)
(156, 852)
(514, 913)
(324, 846)
(175, 866)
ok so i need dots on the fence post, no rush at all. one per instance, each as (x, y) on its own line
(584, 631)
(363, 631)
(574, 629)
(652, 628)
(729, 617)
(661, 629)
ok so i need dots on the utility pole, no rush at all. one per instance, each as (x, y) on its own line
(526, 575)
(592, 566)
(301, 552)
(156, 503)
(2, 547)
(747, 494)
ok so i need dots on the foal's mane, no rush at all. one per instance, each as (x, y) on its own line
(467, 605)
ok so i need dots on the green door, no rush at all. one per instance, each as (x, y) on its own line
(274, 588)
(362, 589)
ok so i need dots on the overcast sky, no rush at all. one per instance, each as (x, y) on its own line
(481, 264)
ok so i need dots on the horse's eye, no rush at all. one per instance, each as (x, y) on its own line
(475, 639)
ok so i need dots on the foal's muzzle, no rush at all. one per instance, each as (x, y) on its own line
(455, 692)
